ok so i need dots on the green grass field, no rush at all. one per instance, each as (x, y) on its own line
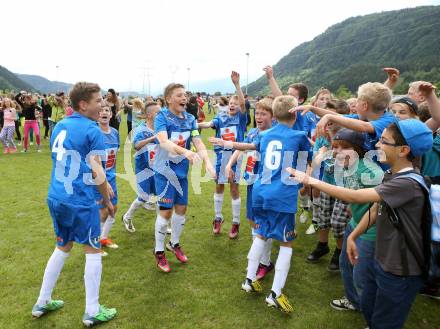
(205, 293)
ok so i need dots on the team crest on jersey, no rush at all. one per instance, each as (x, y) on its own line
(111, 158)
(229, 133)
(250, 163)
(180, 137)
(151, 152)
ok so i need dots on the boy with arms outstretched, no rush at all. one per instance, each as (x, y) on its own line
(77, 149)
(174, 129)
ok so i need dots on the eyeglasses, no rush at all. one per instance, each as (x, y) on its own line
(382, 141)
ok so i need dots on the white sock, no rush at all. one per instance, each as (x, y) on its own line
(51, 274)
(160, 232)
(92, 281)
(133, 207)
(107, 227)
(236, 206)
(102, 226)
(254, 257)
(281, 269)
(177, 223)
(218, 205)
(254, 234)
(265, 257)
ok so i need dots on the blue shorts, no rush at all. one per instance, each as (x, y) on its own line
(145, 187)
(273, 224)
(72, 222)
(170, 194)
(220, 165)
(249, 212)
(114, 200)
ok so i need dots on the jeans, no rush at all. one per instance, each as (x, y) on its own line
(387, 298)
(353, 277)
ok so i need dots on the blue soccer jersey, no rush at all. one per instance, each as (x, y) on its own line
(179, 131)
(279, 149)
(229, 128)
(252, 160)
(144, 159)
(73, 140)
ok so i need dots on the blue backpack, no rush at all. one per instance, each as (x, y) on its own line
(429, 261)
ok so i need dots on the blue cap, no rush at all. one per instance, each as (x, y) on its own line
(417, 135)
(351, 136)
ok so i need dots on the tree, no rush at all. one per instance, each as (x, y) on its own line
(343, 92)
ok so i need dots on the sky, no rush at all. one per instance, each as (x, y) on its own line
(143, 45)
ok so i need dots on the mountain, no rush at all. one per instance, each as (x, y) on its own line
(44, 85)
(355, 51)
(9, 81)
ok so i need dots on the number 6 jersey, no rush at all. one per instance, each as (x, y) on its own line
(279, 149)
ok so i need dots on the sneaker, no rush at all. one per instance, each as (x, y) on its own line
(312, 229)
(104, 315)
(431, 292)
(304, 217)
(233, 233)
(128, 223)
(39, 150)
(251, 286)
(149, 205)
(281, 302)
(334, 262)
(23, 150)
(263, 270)
(177, 250)
(317, 253)
(53, 305)
(6, 150)
(217, 225)
(342, 304)
(13, 150)
(109, 243)
(161, 261)
(103, 253)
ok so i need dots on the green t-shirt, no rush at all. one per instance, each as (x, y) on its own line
(368, 174)
(431, 160)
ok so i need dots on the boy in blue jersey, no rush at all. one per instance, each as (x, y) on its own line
(111, 144)
(263, 120)
(274, 216)
(230, 127)
(175, 129)
(77, 149)
(145, 146)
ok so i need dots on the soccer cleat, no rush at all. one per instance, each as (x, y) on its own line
(53, 305)
(251, 286)
(342, 304)
(217, 225)
(13, 150)
(317, 253)
(177, 250)
(23, 150)
(233, 233)
(109, 243)
(128, 223)
(39, 150)
(312, 229)
(104, 315)
(6, 150)
(263, 270)
(281, 302)
(161, 261)
(103, 253)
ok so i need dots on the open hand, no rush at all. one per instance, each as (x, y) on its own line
(235, 77)
(393, 73)
(299, 176)
(427, 88)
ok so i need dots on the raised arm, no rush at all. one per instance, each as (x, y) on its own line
(428, 90)
(392, 77)
(235, 77)
(275, 89)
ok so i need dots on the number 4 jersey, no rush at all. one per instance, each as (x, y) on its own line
(73, 140)
(280, 147)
